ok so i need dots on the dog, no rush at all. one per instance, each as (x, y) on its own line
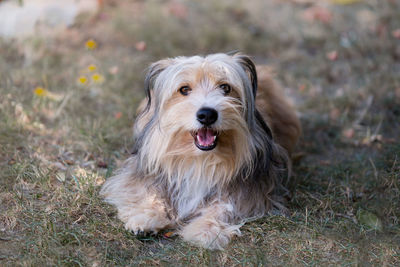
(211, 151)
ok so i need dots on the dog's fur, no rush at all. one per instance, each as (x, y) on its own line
(169, 182)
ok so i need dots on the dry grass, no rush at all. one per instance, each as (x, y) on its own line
(56, 151)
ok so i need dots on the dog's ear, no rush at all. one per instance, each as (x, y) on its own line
(248, 65)
(153, 71)
(145, 113)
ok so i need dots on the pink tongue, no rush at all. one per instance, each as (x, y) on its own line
(205, 137)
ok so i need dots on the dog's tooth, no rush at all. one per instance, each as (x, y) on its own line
(215, 137)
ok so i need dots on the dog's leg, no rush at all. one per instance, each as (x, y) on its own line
(139, 206)
(146, 213)
(211, 228)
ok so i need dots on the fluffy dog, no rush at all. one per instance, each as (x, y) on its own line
(208, 154)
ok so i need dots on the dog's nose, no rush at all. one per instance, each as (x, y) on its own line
(207, 116)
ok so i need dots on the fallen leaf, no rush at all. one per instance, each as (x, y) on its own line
(102, 164)
(396, 33)
(334, 114)
(332, 55)
(397, 92)
(69, 162)
(168, 234)
(317, 13)
(100, 181)
(118, 115)
(349, 133)
(372, 139)
(113, 70)
(325, 162)
(178, 10)
(381, 30)
(369, 220)
(140, 46)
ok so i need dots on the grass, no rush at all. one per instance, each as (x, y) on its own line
(56, 151)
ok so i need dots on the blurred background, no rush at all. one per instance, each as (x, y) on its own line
(71, 77)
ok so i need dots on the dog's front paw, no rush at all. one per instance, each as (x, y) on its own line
(136, 229)
(210, 234)
(142, 223)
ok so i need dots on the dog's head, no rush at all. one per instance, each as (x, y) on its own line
(202, 107)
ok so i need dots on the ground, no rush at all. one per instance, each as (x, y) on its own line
(67, 107)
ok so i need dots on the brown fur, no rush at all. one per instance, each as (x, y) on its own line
(276, 110)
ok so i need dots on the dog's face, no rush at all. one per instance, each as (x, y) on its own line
(202, 104)
(200, 119)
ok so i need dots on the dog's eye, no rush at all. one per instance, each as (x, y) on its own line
(185, 90)
(226, 88)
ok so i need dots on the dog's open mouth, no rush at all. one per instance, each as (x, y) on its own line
(205, 138)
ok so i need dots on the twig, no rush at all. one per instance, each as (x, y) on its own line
(364, 111)
(375, 170)
(62, 106)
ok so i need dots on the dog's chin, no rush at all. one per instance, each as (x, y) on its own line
(205, 138)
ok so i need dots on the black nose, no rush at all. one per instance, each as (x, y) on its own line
(207, 116)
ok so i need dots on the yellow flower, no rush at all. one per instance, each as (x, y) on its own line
(91, 44)
(92, 67)
(345, 2)
(82, 80)
(40, 91)
(97, 78)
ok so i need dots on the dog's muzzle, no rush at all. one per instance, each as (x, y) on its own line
(206, 138)
(207, 116)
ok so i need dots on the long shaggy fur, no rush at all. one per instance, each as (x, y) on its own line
(170, 183)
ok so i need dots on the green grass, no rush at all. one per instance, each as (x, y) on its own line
(56, 153)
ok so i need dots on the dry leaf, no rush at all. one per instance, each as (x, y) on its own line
(317, 13)
(334, 114)
(332, 56)
(348, 133)
(140, 46)
(396, 33)
(178, 10)
(369, 220)
(118, 115)
(302, 87)
(102, 164)
(113, 70)
(168, 234)
(397, 92)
